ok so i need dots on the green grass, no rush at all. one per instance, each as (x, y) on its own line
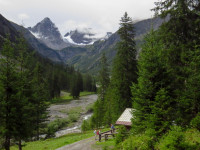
(108, 144)
(67, 97)
(73, 110)
(54, 143)
(85, 93)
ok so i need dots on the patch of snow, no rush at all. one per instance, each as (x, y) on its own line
(37, 35)
(68, 39)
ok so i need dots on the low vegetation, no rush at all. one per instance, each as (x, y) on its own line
(175, 139)
(66, 98)
(53, 143)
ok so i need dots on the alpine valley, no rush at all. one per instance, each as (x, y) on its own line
(81, 48)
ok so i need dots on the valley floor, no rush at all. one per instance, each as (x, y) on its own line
(71, 108)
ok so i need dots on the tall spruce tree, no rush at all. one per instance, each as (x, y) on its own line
(180, 36)
(124, 67)
(99, 110)
(104, 78)
(161, 97)
(151, 101)
(8, 81)
(40, 97)
(22, 121)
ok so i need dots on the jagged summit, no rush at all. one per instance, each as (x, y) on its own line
(48, 33)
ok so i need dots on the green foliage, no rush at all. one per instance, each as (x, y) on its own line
(139, 142)
(88, 125)
(103, 77)
(97, 116)
(173, 140)
(85, 126)
(123, 73)
(192, 138)
(195, 122)
(55, 125)
(99, 106)
(54, 143)
(121, 135)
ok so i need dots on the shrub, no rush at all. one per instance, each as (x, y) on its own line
(85, 126)
(121, 136)
(138, 142)
(74, 117)
(192, 137)
(54, 126)
(195, 122)
(173, 140)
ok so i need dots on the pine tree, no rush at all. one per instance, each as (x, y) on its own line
(40, 98)
(180, 35)
(104, 79)
(75, 90)
(22, 116)
(99, 110)
(153, 80)
(8, 81)
(124, 67)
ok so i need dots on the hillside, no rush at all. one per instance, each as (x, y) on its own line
(89, 61)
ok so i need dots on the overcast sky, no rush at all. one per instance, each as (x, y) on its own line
(101, 15)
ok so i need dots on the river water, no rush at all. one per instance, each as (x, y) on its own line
(75, 129)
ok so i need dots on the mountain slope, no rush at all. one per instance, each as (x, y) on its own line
(38, 46)
(48, 33)
(13, 30)
(89, 61)
(6, 29)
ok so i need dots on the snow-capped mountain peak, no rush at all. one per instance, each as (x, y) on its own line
(84, 36)
(48, 33)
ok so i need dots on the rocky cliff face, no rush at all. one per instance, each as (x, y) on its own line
(48, 33)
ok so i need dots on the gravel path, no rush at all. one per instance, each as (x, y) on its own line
(86, 144)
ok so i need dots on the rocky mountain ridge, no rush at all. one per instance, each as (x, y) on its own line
(48, 34)
(87, 57)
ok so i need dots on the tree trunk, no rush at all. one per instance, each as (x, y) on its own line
(20, 144)
(7, 143)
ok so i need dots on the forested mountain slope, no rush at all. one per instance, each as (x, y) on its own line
(89, 61)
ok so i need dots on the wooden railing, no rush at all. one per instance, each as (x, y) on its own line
(106, 134)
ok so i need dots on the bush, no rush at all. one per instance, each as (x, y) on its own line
(195, 123)
(138, 142)
(85, 126)
(173, 140)
(74, 117)
(54, 126)
(121, 136)
(192, 137)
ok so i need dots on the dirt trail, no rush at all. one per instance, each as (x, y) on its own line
(86, 144)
